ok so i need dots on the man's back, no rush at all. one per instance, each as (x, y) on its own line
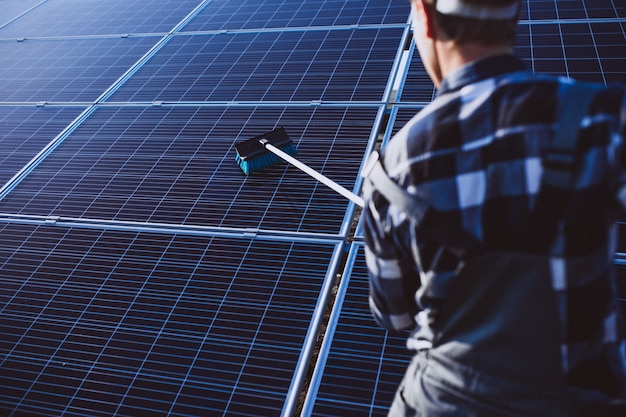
(507, 279)
(477, 154)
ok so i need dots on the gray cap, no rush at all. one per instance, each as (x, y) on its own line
(460, 8)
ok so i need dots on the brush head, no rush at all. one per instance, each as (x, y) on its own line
(252, 155)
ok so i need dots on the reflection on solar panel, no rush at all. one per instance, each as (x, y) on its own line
(66, 69)
(142, 272)
(247, 14)
(80, 18)
(340, 65)
(105, 323)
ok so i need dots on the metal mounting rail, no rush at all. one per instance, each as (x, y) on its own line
(169, 228)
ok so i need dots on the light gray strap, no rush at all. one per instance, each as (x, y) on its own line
(455, 239)
(411, 204)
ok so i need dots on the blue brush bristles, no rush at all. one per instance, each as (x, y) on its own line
(263, 160)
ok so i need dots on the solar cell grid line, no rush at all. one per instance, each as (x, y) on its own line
(48, 305)
(610, 43)
(24, 131)
(80, 18)
(582, 53)
(541, 47)
(69, 70)
(585, 51)
(152, 349)
(574, 9)
(177, 165)
(360, 364)
(548, 50)
(251, 14)
(417, 85)
(304, 65)
(100, 320)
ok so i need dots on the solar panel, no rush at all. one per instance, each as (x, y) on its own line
(80, 18)
(25, 131)
(361, 364)
(103, 323)
(339, 65)
(177, 165)
(251, 14)
(76, 70)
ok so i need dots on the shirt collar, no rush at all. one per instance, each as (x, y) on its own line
(481, 69)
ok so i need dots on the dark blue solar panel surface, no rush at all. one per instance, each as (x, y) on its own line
(255, 14)
(77, 70)
(104, 323)
(417, 86)
(25, 131)
(573, 9)
(588, 52)
(177, 165)
(80, 18)
(365, 363)
(340, 65)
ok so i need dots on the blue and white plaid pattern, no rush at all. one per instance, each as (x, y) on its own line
(476, 153)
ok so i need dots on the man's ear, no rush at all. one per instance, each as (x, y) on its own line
(425, 15)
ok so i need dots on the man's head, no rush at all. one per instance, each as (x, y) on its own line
(472, 28)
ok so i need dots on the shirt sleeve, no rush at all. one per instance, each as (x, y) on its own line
(393, 274)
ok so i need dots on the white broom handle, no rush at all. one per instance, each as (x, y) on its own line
(324, 180)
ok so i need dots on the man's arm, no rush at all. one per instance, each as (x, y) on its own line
(393, 275)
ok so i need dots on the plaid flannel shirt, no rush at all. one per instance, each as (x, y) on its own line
(475, 153)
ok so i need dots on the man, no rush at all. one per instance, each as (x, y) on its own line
(508, 287)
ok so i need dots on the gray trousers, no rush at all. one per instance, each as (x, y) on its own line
(434, 386)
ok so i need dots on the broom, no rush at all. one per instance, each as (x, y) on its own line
(265, 150)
